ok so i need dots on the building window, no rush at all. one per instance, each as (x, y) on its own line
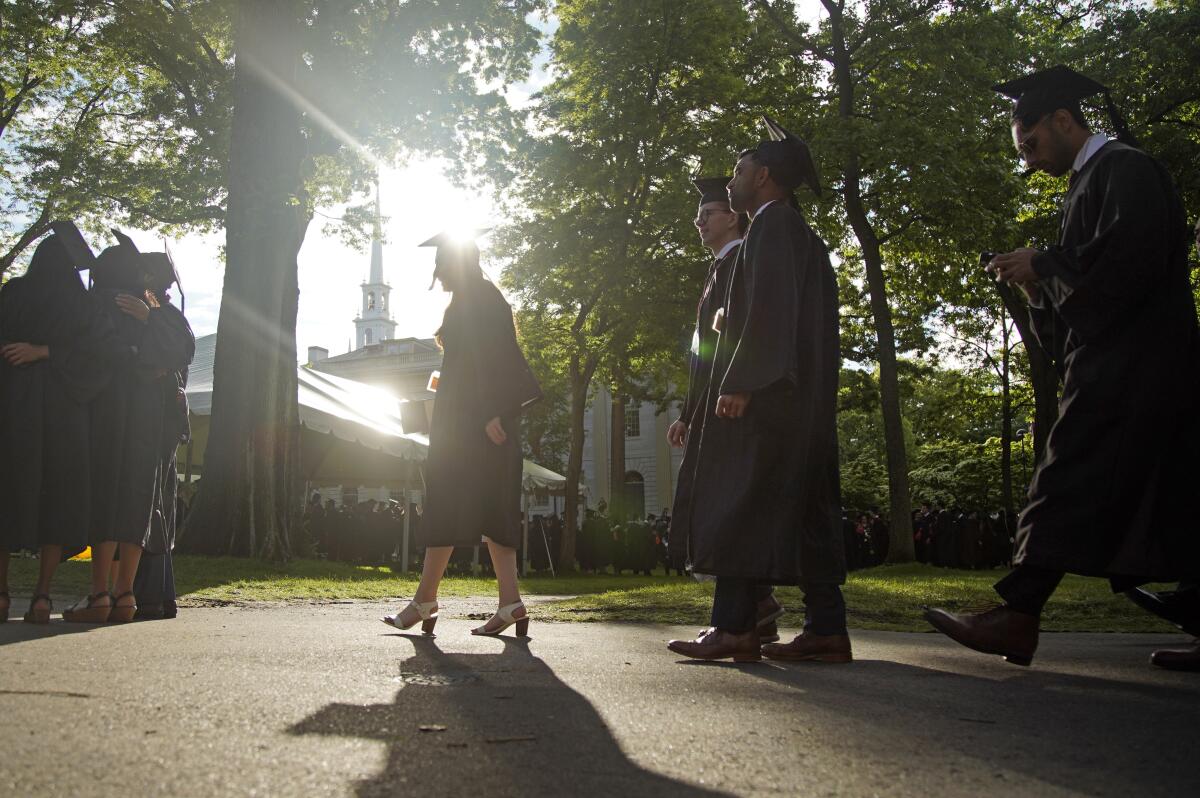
(633, 419)
(368, 337)
(383, 301)
(371, 300)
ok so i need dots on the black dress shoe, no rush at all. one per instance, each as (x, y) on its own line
(1000, 630)
(1180, 607)
(1187, 659)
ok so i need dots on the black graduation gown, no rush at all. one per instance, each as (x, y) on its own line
(766, 501)
(473, 486)
(1113, 494)
(44, 423)
(700, 367)
(130, 420)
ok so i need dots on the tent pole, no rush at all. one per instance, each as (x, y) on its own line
(404, 544)
(524, 534)
(549, 557)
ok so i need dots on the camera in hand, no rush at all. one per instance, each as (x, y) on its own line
(985, 258)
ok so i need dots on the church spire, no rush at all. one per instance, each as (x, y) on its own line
(374, 323)
(376, 277)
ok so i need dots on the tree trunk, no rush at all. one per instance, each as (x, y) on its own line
(581, 379)
(900, 547)
(616, 462)
(34, 231)
(249, 494)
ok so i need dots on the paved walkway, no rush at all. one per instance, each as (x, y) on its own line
(324, 700)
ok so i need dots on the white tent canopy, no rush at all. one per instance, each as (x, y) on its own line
(350, 411)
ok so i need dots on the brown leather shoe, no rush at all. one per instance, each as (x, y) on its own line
(719, 644)
(1176, 659)
(811, 648)
(768, 632)
(1000, 630)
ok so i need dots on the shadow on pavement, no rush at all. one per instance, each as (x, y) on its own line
(490, 724)
(1094, 735)
(17, 631)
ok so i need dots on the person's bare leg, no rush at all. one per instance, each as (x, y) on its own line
(102, 563)
(432, 571)
(504, 562)
(48, 558)
(131, 555)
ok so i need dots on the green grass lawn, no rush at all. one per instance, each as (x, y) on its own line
(887, 597)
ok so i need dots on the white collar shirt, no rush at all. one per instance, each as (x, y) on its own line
(726, 249)
(1089, 148)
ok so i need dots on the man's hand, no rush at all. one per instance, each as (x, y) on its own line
(1015, 266)
(677, 433)
(732, 405)
(132, 306)
(495, 431)
(23, 354)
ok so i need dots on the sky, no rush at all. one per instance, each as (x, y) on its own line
(331, 273)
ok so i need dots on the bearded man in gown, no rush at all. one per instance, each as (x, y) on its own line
(1112, 305)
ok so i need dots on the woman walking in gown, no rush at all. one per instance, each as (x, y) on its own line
(473, 472)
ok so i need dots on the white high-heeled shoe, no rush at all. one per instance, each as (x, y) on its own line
(505, 614)
(427, 614)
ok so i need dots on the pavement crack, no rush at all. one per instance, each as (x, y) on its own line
(51, 693)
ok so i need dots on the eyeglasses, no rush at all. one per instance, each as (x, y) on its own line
(1027, 145)
(702, 217)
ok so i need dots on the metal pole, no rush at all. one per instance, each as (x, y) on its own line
(525, 534)
(407, 521)
(546, 543)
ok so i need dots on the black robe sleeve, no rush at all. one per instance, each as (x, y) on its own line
(1096, 282)
(507, 383)
(168, 344)
(771, 284)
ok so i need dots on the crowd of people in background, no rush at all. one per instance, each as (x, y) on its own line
(371, 532)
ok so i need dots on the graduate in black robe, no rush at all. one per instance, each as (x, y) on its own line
(721, 231)
(127, 420)
(1112, 305)
(766, 505)
(474, 467)
(154, 584)
(55, 355)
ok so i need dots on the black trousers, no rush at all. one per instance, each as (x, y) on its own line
(736, 600)
(1027, 588)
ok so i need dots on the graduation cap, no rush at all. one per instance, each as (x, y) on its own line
(122, 239)
(78, 251)
(788, 157)
(712, 189)
(1040, 93)
(462, 244)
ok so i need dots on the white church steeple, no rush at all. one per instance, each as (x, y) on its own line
(374, 322)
